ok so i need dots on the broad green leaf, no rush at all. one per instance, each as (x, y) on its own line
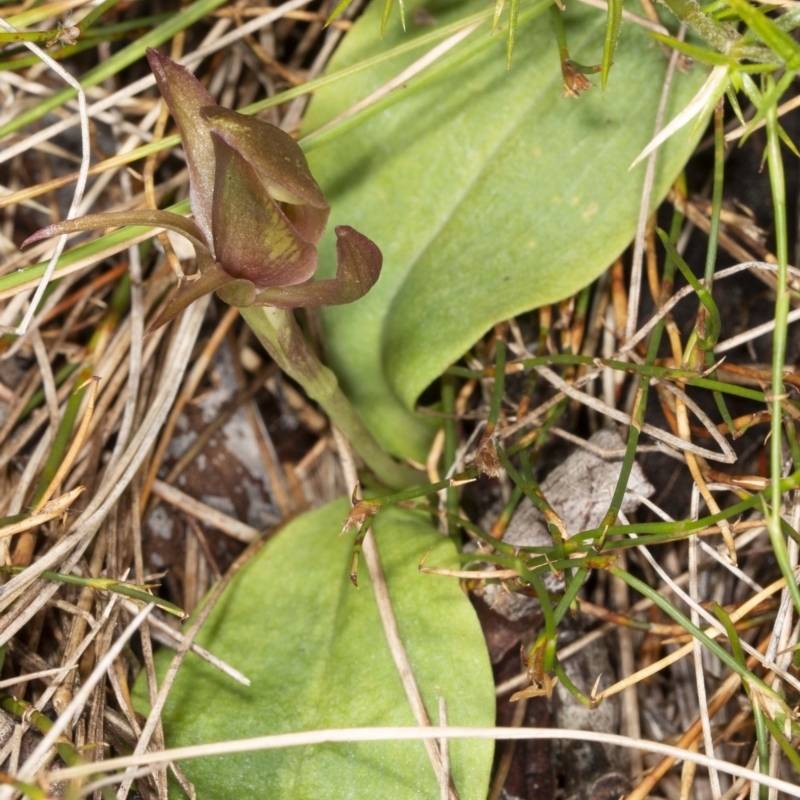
(487, 192)
(314, 650)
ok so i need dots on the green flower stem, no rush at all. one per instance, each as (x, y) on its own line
(639, 407)
(421, 490)
(571, 593)
(716, 198)
(499, 385)
(707, 334)
(557, 21)
(282, 338)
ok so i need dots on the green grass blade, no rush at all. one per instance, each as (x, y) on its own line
(776, 39)
(95, 13)
(387, 10)
(698, 53)
(513, 21)
(770, 98)
(711, 644)
(106, 69)
(498, 10)
(90, 39)
(713, 322)
(340, 6)
(791, 754)
(26, 36)
(613, 24)
(786, 140)
(778, 186)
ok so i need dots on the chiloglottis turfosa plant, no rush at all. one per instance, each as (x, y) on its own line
(258, 212)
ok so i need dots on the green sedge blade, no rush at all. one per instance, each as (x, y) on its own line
(703, 295)
(613, 25)
(701, 54)
(498, 10)
(513, 18)
(387, 10)
(340, 6)
(780, 42)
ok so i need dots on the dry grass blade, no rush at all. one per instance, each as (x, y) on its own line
(418, 66)
(392, 632)
(307, 738)
(38, 755)
(742, 611)
(74, 449)
(51, 510)
(216, 519)
(22, 328)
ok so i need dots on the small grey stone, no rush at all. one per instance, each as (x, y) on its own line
(579, 491)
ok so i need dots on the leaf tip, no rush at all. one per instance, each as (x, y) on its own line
(34, 237)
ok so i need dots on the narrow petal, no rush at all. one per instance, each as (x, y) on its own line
(274, 155)
(212, 279)
(358, 268)
(151, 218)
(185, 96)
(253, 239)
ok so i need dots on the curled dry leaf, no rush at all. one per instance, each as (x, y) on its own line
(359, 514)
(487, 460)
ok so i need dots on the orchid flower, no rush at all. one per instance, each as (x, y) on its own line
(258, 217)
(258, 212)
